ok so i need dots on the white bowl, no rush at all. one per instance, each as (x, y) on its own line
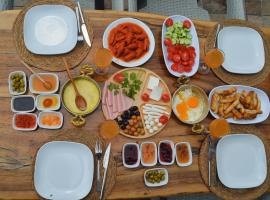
(38, 92)
(173, 152)
(164, 182)
(148, 31)
(194, 43)
(155, 160)
(189, 152)
(261, 95)
(63, 170)
(50, 127)
(139, 156)
(50, 29)
(44, 95)
(241, 161)
(24, 129)
(22, 96)
(11, 91)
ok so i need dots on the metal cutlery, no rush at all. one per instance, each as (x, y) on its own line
(106, 160)
(83, 27)
(80, 37)
(98, 152)
(209, 158)
(217, 31)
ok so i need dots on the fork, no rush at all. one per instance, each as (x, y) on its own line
(98, 152)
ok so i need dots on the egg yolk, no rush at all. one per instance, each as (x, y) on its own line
(193, 102)
(182, 111)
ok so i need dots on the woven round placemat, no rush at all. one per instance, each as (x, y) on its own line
(242, 79)
(49, 62)
(89, 139)
(217, 187)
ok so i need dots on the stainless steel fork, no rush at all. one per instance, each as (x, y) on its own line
(98, 152)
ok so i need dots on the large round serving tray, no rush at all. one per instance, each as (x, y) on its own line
(139, 102)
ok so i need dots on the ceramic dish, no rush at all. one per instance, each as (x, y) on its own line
(195, 44)
(241, 161)
(137, 163)
(181, 164)
(35, 91)
(161, 183)
(51, 123)
(172, 150)
(261, 95)
(10, 82)
(194, 105)
(56, 97)
(24, 129)
(132, 63)
(155, 155)
(50, 29)
(31, 108)
(63, 170)
(243, 48)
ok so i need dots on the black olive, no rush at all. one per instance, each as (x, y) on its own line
(137, 113)
(123, 127)
(125, 123)
(126, 115)
(133, 108)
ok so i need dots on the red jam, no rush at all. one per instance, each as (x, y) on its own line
(131, 154)
(165, 152)
(25, 121)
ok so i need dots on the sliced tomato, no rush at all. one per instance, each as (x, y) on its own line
(169, 22)
(185, 55)
(168, 42)
(163, 119)
(180, 69)
(145, 97)
(186, 24)
(119, 78)
(187, 68)
(176, 58)
(191, 62)
(165, 97)
(174, 67)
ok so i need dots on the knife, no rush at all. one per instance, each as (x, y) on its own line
(209, 158)
(106, 160)
(83, 27)
(217, 32)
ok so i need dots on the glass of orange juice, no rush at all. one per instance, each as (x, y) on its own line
(219, 128)
(213, 59)
(103, 60)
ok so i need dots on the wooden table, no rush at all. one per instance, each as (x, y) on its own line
(16, 183)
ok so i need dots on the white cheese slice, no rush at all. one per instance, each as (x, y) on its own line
(156, 93)
(153, 82)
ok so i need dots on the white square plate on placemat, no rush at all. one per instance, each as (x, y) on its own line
(63, 170)
(243, 49)
(50, 29)
(241, 161)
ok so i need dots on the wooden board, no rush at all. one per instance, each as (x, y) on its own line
(16, 182)
(144, 75)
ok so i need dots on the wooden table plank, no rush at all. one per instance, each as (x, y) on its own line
(18, 183)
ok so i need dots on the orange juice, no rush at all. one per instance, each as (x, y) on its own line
(214, 58)
(103, 58)
(219, 127)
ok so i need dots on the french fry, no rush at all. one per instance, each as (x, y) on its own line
(228, 99)
(225, 106)
(214, 102)
(227, 92)
(229, 109)
(237, 114)
(259, 106)
(244, 93)
(220, 110)
(241, 108)
(229, 115)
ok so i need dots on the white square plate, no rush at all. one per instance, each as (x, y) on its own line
(243, 49)
(63, 170)
(241, 161)
(50, 29)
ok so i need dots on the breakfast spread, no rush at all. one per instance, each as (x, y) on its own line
(230, 103)
(138, 100)
(128, 41)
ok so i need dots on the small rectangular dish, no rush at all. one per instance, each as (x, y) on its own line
(156, 177)
(24, 121)
(23, 103)
(131, 155)
(48, 102)
(36, 86)
(166, 153)
(183, 154)
(148, 154)
(17, 83)
(50, 120)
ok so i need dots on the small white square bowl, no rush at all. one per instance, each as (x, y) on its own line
(189, 152)
(173, 152)
(155, 160)
(241, 161)
(11, 91)
(139, 156)
(50, 127)
(38, 92)
(161, 183)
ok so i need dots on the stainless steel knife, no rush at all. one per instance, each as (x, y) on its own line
(216, 36)
(209, 158)
(106, 160)
(83, 27)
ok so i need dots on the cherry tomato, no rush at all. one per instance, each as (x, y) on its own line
(174, 67)
(168, 42)
(187, 24)
(191, 62)
(187, 68)
(176, 58)
(163, 119)
(180, 69)
(165, 97)
(192, 55)
(119, 78)
(145, 97)
(185, 63)
(185, 55)
(169, 22)
(171, 49)
(170, 57)
(191, 49)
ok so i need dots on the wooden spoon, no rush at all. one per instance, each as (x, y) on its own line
(46, 84)
(79, 100)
